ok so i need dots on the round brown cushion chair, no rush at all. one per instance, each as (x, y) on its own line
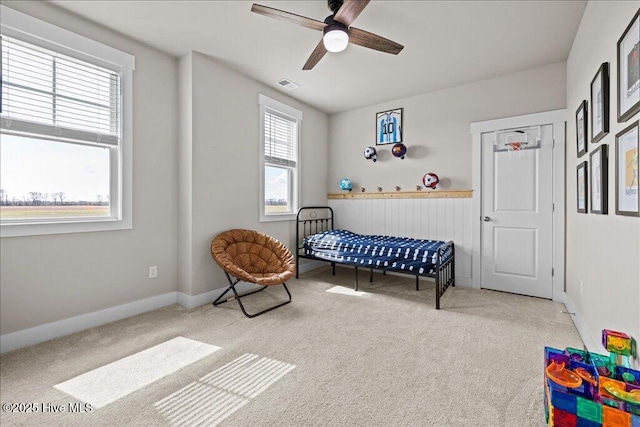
(254, 257)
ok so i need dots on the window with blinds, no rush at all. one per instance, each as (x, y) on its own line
(47, 94)
(281, 139)
(66, 130)
(279, 177)
(61, 128)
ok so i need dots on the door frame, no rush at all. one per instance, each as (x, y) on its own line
(557, 119)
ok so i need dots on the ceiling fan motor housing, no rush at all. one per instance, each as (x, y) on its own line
(334, 5)
(333, 25)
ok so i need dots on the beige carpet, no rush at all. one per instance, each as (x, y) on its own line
(380, 359)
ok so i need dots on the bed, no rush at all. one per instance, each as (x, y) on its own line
(318, 240)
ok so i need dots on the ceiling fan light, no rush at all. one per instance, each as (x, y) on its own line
(336, 40)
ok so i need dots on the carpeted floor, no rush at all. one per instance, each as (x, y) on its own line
(385, 358)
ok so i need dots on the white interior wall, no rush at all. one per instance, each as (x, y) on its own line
(603, 251)
(437, 134)
(225, 163)
(54, 277)
(48, 278)
(435, 219)
(436, 130)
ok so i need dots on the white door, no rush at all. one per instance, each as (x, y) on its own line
(517, 197)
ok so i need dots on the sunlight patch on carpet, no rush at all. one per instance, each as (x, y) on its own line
(116, 380)
(217, 395)
(346, 291)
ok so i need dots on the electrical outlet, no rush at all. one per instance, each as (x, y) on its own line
(581, 288)
(153, 272)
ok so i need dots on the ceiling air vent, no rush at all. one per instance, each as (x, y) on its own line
(288, 84)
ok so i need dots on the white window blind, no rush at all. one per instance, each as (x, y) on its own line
(280, 139)
(50, 95)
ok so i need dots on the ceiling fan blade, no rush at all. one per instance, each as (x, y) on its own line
(350, 10)
(373, 41)
(316, 56)
(287, 16)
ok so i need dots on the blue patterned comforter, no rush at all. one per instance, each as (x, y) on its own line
(413, 256)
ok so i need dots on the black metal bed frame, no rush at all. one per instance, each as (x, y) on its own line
(311, 222)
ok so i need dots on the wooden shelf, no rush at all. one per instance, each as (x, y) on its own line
(425, 194)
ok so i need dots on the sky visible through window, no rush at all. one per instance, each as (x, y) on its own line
(29, 165)
(276, 183)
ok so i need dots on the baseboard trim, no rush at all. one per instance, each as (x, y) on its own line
(49, 331)
(311, 265)
(193, 301)
(464, 282)
(590, 342)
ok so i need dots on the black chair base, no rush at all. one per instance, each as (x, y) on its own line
(232, 287)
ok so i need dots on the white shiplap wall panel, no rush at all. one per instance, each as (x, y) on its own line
(436, 219)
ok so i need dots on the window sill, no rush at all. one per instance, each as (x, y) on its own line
(277, 217)
(74, 226)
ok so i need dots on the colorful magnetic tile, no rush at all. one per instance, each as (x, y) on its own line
(635, 421)
(583, 422)
(628, 375)
(564, 419)
(589, 410)
(588, 389)
(564, 401)
(602, 364)
(616, 342)
(609, 399)
(612, 417)
(554, 355)
(576, 354)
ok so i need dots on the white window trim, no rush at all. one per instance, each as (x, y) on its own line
(33, 30)
(266, 102)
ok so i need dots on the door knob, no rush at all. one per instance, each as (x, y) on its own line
(486, 219)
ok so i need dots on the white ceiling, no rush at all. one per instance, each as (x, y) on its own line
(447, 43)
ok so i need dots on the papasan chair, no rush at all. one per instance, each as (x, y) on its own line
(254, 257)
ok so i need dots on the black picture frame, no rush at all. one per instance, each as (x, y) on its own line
(581, 188)
(598, 184)
(631, 167)
(600, 105)
(630, 61)
(582, 127)
(389, 126)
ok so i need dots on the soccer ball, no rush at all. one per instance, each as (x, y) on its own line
(399, 150)
(430, 180)
(346, 184)
(370, 154)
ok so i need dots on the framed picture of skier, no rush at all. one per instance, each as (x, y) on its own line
(629, 70)
(389, 127)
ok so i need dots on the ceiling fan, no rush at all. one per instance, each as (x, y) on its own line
(336, 28)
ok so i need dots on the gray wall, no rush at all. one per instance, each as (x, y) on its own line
(436, 129)
(185, 176)
(49, 278)
(222, 170)
(603, 251)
